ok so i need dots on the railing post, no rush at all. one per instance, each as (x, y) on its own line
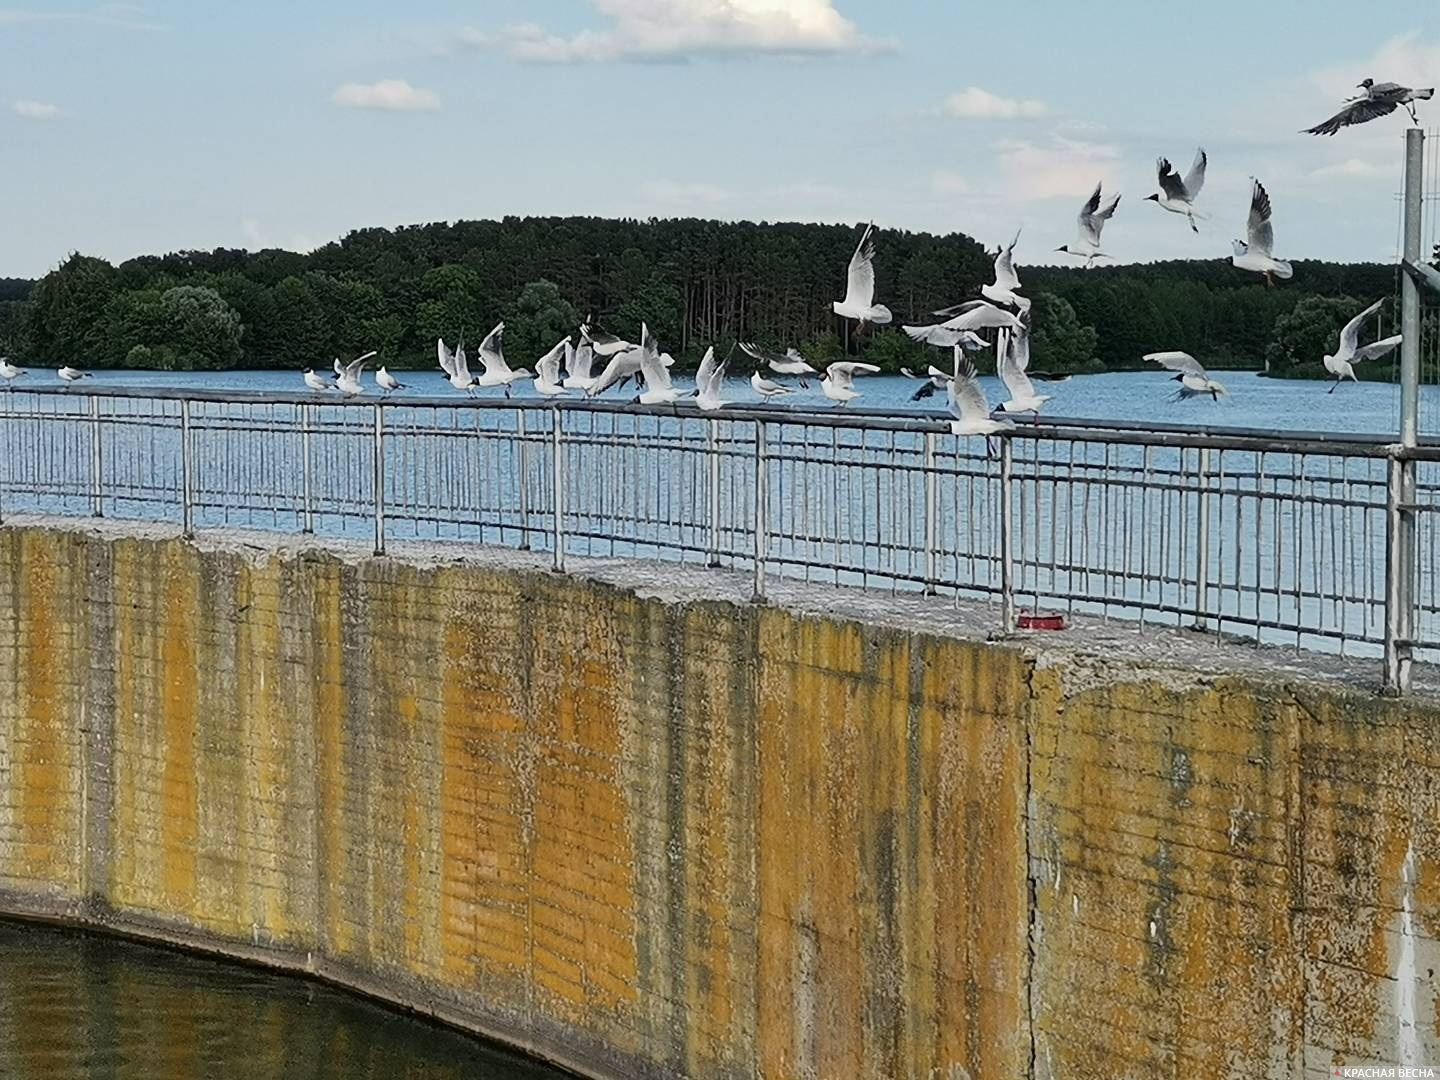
(931, 514)
(762, 508)
(307, 513)
(1399, 565)
(522, 456)
(378, 472)
(187, 472)
(712, 458)
(97, 506)
(1007, 541)
(557, 453)
(1202, 544)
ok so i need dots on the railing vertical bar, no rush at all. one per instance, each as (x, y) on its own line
(522, 464)
(557, 454)
(97, 488)
(378, 474)
(762, 502)
(712, 452)
(1007, 553)
(307, 490)
(187, 470)
(1202, 544)
(932, 516)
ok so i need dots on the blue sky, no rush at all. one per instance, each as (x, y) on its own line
(135, 128)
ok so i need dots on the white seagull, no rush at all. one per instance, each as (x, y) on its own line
(767, 388)
(349, 380)
(1379, 99)
(859, 302)
(1256, 251)
(578, 363)
(790, 363)
(623, 366)
(1351, 352)
(1092, 220)
(492, 355)
(547, 370)
(455, 366)
(1192, 378)
(967, 402)
(387, 382)
(69, 374)
(658, 388)
(8, 371)
(973, 315)
(839, 381)
(1177, 195)
(605, 345)
(1005, 288)
(709, 381)
(1012, 359)
(315, 381)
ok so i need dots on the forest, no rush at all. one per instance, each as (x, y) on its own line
(696, 283)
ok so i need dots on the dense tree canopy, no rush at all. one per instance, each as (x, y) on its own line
(694, 282)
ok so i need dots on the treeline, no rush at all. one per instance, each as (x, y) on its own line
(695, 282)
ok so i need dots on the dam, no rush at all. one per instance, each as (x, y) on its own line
(633, 822)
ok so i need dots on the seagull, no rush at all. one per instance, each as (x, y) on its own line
(1256, 252)
(1192, 377)
(1423, 275)
(8, 371)
(1379, 99)
(605, 345)
(708, 382)
(577, 367)
(1350, 352)
(1177, 195)
(455, 366)
(859, 302)
(967, 402)
(767, 388)
(387, 382)
(547, 370)
(791, 363)
(315, 381)
(70, 375)
(974, 315)
(623, 367)
(934, 379)
(1092, 219)
(1003, 291)
(349, 380)
(658, 388)
(1012, 357)
(492, 355)
(839, 381)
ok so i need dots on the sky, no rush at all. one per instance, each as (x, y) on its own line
(167, 125)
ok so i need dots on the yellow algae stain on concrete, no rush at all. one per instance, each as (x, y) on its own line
(180, 826)
(39, 752)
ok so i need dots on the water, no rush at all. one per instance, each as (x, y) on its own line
(1254, 401)
(75, 1006)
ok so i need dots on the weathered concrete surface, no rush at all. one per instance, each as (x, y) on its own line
(641, 827)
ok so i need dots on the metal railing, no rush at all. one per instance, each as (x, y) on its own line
(1322, 541)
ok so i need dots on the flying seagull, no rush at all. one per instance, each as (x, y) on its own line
(1177, 195)
(839, 381)
(859, 302)
(547, 370)
(1012, 357)
(492, 355)
(455, 366)
(8, 371)
(1350, 352)
(767, 388)
(790, 363)
(1092, 220)
(387, 382)
(1004, 290)
(69, 374)
(967, 402)
(709, 380)
(1190, 375)
(933, 379)
(605, 345)
(577, 367)
(973, 315)
(1379, 99)
(658, 388)
(349, 375)
(1256, 251)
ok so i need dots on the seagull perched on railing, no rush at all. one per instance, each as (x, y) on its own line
(767, 388)
(1192, 378)
(1351, 352)
(623, 367)
(8, 371)
(709, 380)
(455, 366)
(967, 402)
(658, 388)
(492, 355)
(388, 383)
(788, 363)
(1379, 99)
(578, 362)
(69, 374)
(348, 381)
(1012, 358)
(839, 382)
(859, 302)
(547, 370)
(1177, 195)
(315, 381)
(1256, 252)
(1092, 220)
(1005, 288)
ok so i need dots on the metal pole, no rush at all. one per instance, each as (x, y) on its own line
(1397, 622)
(378, 462)
(1409, 291)
(187, 471)
(557, 453)
(762, 501)
(523, 456)
(308, 509)
(97, 507)
(931, 514)
(1007, 542)
(712, 451)
(1202, 545)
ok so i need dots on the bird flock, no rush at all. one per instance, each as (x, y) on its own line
(998, 318)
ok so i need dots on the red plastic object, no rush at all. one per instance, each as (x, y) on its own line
(1041, 620)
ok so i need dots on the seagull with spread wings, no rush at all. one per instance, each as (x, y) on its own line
(658, 388)
(709, 380)
(1005, 289)
(967, 402)
(960, 328)
(497, 371)
(1178, 195)
(839, 382)
(1191, 376)
(1351, 352)
(1012, 358)
(348, 375)
(1092, 220)
(788, 363)
(547, 369)
(455, 366)
(1257, 251)
(1379, 99)
(859, 302)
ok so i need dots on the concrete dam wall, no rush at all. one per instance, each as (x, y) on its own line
(645, 829)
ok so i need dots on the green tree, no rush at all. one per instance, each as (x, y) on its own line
(1305, 335)
(67, 312)
(1061, 342)
(299, 336)
(539, 317)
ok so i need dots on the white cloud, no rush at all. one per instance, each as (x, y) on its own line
(1351, 169)
(35, 110)
(675, 193)
(973, 103)
(946, 182)
(392, 94)
(1059, 166)
(686, 29)
(119, 16)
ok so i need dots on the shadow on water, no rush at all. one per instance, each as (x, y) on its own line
(78, 1005)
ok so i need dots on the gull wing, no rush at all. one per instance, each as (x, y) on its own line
(1195, 178)
(652, 368)
(958, 309)
(1353, 112)
(492, 351)
(843, 372)
(860, 279)
(967, 398)
(462, 364)
(765, 356)
(708, 377)
(1258, 231)
(1177, 361)
(580, 364)
(982, 316)
(1170, 182)
(1005, 276)
(621, 366)
(1093, 217)
(1350, 334)
(1377, 349)
(445, 356)
(547, 368)
(356, 366)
